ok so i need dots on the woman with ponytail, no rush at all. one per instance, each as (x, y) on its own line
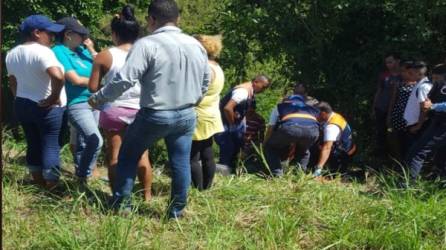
(116, 116)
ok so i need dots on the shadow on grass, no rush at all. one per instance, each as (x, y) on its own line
(65, 193)
(159, 188)
(71, 195)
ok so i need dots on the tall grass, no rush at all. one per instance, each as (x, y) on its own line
(239, 212)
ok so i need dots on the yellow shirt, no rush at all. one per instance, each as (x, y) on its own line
(208, 112)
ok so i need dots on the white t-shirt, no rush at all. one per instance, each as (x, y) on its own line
(419, 94)
(130, 98)
(239, 95)
(332, 133)
(28, 64)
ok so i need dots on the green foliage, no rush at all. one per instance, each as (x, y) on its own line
(335, 47)
(245, 212)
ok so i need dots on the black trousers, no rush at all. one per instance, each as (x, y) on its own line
(339, 161)
(202, 174)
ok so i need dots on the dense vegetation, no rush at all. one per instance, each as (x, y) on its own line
(336, 47)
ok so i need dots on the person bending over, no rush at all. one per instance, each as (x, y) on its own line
(337, 146)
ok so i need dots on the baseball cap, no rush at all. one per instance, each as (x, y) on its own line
(40, 22)
(73, 24)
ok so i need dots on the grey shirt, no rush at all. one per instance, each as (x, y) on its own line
(172, 68)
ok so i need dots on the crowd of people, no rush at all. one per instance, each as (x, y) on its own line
(409, 110)
(167, 85)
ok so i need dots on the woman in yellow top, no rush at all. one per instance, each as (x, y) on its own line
(208, 118)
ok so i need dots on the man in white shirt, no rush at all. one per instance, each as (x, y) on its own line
(413, 113)
(36, 81)
(337, 147)
(233, 107)
(432, 141)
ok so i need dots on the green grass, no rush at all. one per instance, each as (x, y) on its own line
(243, 212)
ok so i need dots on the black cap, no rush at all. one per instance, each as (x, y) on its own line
(73, 24)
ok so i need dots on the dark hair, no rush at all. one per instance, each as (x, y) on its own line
(439, 69)
(393, 54)
(164, 11)
(27, 34)
(419, 65)
(324, 107)
(296, 85)
(125, 25)
(408, 64)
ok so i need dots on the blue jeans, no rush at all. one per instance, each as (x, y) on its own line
(89, 140)
(432, 139)
(302, 136)
(42, 127)
(230, 143)
(176, 127)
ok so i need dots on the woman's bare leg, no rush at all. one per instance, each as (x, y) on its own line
(145, 175)
(114, 141)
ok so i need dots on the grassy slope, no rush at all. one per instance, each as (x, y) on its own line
(246, 212)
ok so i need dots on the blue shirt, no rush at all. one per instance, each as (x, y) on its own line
(171, 67)
(81, 62)
(439, 107)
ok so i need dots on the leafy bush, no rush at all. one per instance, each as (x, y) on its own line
(336, 47)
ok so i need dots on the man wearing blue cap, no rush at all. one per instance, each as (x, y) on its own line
(39, 28)
(291, 122)
(36, 81)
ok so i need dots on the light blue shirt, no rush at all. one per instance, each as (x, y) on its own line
(439, 107)
(81, 62)
(171, 67)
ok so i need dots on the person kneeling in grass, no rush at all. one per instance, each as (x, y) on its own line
(337, 147)
(292, 122)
